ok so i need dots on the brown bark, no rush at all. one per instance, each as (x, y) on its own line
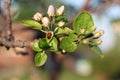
(8, 27)
(17, 43)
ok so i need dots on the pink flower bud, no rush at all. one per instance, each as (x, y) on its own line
(60, 11)
(37, 16)
(45, 21)
(50, 11)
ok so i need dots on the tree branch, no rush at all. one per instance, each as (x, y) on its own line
(2, 22)
(8, 26)
(7, 38)
(17, 43)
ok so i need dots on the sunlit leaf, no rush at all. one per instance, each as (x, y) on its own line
(54, 44)
(43, 44)
(32, 24)
(61, 18)
(96, 49)
(67, 45)
(35, 46)
(65, 31)
(73, 37)
(40, 59)
(83, 21)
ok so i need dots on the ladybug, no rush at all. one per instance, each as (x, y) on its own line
(49, 35)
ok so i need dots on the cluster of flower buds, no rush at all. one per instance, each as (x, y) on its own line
(87, 40)
(38, 17)
(51, 13)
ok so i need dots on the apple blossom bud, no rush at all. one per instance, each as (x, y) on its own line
(60, 11)
(37, 16)
(93, 28)
(82, 31)
(98, 42)
(101, 32)
(97, 35)
(50, 11)
(85, 41)
(45, 21)
(61, 23)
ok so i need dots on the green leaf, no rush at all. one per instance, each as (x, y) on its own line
(65, 30)
(43, 44)
(61, 18)
(83, 21)
(54, 44)
(40, 59)
(72, 37)
(35, 46)
(96, 49)
(67, 45)
(32, 24)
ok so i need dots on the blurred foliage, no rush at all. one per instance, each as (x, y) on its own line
(110, 64)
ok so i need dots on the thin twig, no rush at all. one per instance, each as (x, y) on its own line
(2, 25)
(7, 39)
(2, 22)
(8, 26)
